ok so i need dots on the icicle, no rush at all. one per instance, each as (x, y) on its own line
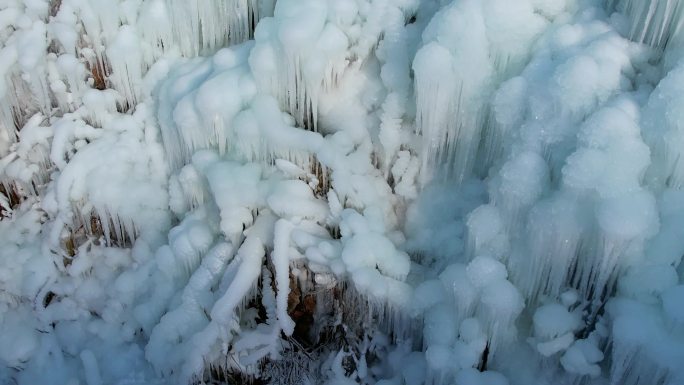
(456, 281)
(24, 88)
(454, 77)
(391, 314)
(311, 42)
(555, 231)
(125, 59)
(479, 289)
(506, 114)
(101, 22)
(254, 346)
(182, 81)
(295, 92)
(395, 74)
(664, 131)
(655, 23)
(26, 168)
(642, 352)
(189, 241)
(8, 134)
(201, 27)
(99, 107)
(626, 214)
(438, 98)
(156, 29)
(486, 233)
(519, 183)
(281, 262)
(624, 222)
(221, 110)
(544, 254)
(499, 307)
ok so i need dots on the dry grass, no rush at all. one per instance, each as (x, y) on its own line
(13, 197)
(54, 7)
(322, 175)
(99, 75)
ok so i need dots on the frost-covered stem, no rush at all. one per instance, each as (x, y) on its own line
(281, 263)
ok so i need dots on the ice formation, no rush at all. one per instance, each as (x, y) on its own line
(390, 192)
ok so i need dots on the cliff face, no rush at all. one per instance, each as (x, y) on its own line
(342, 191)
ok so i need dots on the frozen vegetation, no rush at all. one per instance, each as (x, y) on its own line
(337, 192)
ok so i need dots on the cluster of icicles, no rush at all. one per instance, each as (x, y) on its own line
(214, 154)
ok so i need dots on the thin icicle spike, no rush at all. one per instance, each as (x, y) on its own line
(555, 232)
(656, 23)
(201, 27)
